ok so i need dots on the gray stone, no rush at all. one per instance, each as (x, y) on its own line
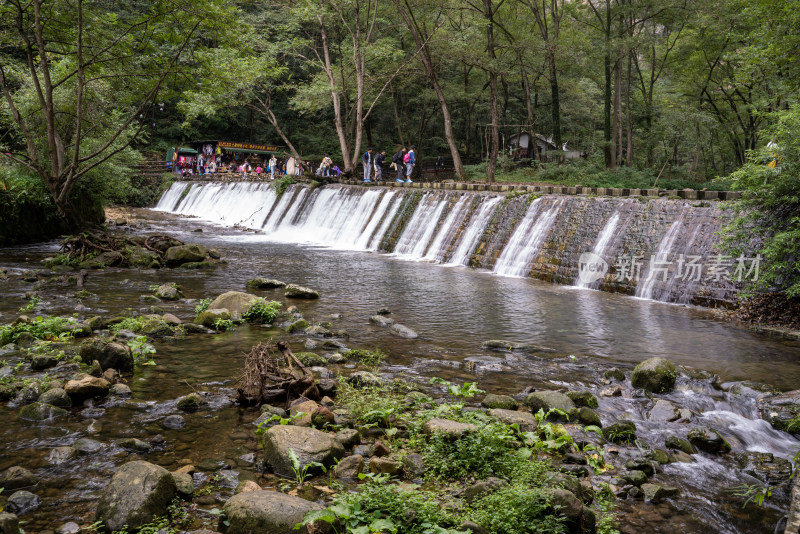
(236, 302)
(168, 292)
(173, 422)
(502, 402)
(59, 455)
(31, 393)
(210, 317)
(181, 254)
(614, 374)
(613, 391)
(270, 512)
(657, 492)
(587, 416)
(549, 400)
(708, 440)
(191, 402)
(403, 331)
(39, 411)
(9, 523)
(664, 410)
(414, 464)
(69, 528)
(16, 477)
(56, 397)
(350, 466)
(674, 442)
(22, 502)
(447, 428)
(120, 390)
(483, 487)
(87, 446)
(297, 326)
(138, 492)
(364, 379)
(641, 464)
(40, 362)
(264, 283)
(348, 437)
(381, 320)
(310, 445)
(526, 420)
(385, 466)
(134, 444)
(294, 291)
(656, 375)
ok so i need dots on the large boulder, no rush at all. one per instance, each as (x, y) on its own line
(708, 440)
(236, 302)
(293, 291)
(138, 492)
(447, 428)
(185, 254)
(16, 477)
(264, 511)
(549, 400)
(526, 420)
(310, 445)
(85, 387)
(111, 355)
(780, 410)
(656, 375)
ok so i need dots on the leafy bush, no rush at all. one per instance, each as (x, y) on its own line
(132, 324)
(515, 509)
(262, 311)
(202, 306)
(281, 185)
(46, 328)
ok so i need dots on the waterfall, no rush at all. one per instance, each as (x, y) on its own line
(472, 234)
(527, 239)
(599, 249)
(645, 287)
(511, 235)
(414, 240)
(438, 249)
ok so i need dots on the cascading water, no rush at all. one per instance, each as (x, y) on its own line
(658, 260)
(543, 239)
(602, 244)
(527, 239)
(472, 234)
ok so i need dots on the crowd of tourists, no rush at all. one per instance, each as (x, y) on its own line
(401, 167)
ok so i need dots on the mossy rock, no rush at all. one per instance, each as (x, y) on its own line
(583, 398)
(199, 265)
(656, 375)
(311, 359)
(264, 283)
(502, 402)
(39, 411)
(622, 431)
(298, 326)
(211, 316)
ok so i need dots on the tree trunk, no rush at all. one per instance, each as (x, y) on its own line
(494, 142)
(628, 128)
(615, 122)
(347, 163)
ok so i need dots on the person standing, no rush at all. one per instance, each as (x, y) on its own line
(273, 162)
(397, 159)
(326, 165)
(410, 160)
(379, 159)
(366, 160)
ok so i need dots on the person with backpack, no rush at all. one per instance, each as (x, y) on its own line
(366, 160)
(326, 165)
(397, 159)
(410, 160)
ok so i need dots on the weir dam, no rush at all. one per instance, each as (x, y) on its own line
(648, 247)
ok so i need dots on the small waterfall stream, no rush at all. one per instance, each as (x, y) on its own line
(510, 236)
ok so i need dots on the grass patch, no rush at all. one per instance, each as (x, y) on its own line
(262, 312)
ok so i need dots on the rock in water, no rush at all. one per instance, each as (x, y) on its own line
(549, 400)
(16, 477)
(138, 492)
(56, 397)
(85, 387)
(236, 302)
(656, 375)
(708, 440)
(264, 283)
(110, 355)
(168, 292)
(21, 502)
(181, 254)
(310, 445)
(39, 411)
(293, 291)
(270, 512)
(401, 330)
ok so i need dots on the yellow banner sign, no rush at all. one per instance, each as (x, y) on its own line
(247, 146)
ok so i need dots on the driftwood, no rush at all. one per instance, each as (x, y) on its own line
(273, 374)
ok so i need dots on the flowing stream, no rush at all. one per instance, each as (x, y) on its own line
(453, 309)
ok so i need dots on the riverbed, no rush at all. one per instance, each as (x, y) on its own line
(454, 309)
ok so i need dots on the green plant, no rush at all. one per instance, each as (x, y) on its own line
(301, 472)
(464, 391)
(262, 311)
(223, 325)
(31, 305)
(515, 509)
(141, 350)
(264, 425)
(607, 515)
(202, 306)
(281, 185)
(752, 493)
(368, 358)
(132, 324)
(47, 328)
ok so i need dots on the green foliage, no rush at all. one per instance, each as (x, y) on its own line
(262, 311)
(264, 425)
(606, 510)
(132, 324)
(202, 306)
(370, 405)
(515, 509)
(368, 358)
(31, 305)
(281, 185)
(223, 325)
(141, 350)
(380, 507)
(768, 216)
(301, 473)
(44, 328)
(755, 493)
